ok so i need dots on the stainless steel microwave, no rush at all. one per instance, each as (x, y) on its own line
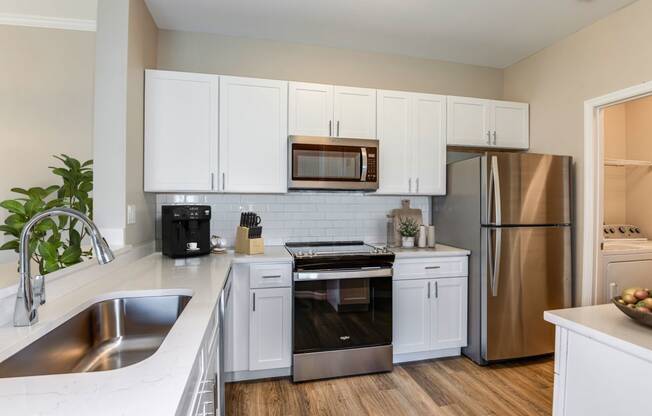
(332, 163)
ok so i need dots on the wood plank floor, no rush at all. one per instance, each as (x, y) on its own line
(452, 386)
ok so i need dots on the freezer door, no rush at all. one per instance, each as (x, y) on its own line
(526, 189)
(527, 270)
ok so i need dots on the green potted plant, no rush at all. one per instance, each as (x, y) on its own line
(55, 243)
(408, 228)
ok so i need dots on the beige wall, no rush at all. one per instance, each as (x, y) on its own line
(143, 39)
(639, 179)
(46, 104)
(615, 177)
(200, 52)
(609, 55)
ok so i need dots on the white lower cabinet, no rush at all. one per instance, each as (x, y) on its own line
(429, 314)
(269, 328)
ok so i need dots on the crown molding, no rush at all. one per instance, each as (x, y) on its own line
(47, 22)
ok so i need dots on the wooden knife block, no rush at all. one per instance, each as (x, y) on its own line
(246, 245)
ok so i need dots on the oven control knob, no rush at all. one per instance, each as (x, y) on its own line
(310, 253)
(637, 230)
(632, 230)
(299, 253)
(621, 229)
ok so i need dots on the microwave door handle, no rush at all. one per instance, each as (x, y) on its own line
(363, 174)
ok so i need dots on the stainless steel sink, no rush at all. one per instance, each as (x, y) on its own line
(107, 335)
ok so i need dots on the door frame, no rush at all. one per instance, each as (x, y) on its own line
(593, 182)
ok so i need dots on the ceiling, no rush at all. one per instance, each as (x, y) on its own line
(493, 33)
(60, 9)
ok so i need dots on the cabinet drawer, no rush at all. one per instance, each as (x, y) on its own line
(432, 267)
(270, 275)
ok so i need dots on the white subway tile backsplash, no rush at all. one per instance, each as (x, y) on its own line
(300, 216)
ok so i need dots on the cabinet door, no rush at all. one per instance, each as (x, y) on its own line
(355, 112)
(394, 133)
(181, 131)
(411, 326)
(468, 121)
(448, 313)
(429, 144)
(269, 328)
(253, 135)
(310, 109)
(511, 125)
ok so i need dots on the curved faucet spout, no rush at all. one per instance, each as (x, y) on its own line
(26, 309)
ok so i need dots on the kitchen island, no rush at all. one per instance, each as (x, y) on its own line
(157, 385)
(602, 359)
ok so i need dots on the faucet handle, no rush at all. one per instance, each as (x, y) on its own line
(38, 288)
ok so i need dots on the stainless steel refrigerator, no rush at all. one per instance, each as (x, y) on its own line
(513, 211)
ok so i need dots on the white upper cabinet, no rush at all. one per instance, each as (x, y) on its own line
(326, 110)
(468, 121)
(429, 136)
(253, 135)
(395, 138)
(412, 136)
(477, 122)
(354, 112)
(310, 109)
(511, 124)
(181, 131)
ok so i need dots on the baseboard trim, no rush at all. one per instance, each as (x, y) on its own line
(48, 22)
(235, 376)
(426, 355)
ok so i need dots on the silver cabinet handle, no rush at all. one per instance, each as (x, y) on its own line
(338, 128)
(432, 267)
(488, 137)
(494, 136)
(428, 290)
(223, 180)
(436, 289)
(410, 185)
(274, 276)
(254, 302)
(212, 181)
(417, 185)
(330, 128)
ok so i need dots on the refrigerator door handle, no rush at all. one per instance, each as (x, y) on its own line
(494, 259)
(494, 185)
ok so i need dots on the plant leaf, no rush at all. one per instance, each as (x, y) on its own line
(9, 230)
(48, 251)
(10, 245)
(51, 266)
(20, 191)
(87, 163)
(71, 255)
(74, 237)
(45, 225)
(13, 206)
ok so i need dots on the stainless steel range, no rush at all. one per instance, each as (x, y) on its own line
(342, 309)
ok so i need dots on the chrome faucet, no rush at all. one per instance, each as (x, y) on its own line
(31, 291)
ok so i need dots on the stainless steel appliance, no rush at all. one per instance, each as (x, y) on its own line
(513, 211)
(329, 163)
(342, 317)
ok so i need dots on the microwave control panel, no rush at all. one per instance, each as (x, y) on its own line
(372, 164)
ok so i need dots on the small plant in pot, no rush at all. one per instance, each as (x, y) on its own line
(408, 228)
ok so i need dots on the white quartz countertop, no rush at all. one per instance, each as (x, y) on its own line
(153, 386)
(440, 250)
(608, 325)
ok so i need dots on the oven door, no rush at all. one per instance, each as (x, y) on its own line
(337, 310)
(332, 163)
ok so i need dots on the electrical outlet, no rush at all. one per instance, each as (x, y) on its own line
(131, 214)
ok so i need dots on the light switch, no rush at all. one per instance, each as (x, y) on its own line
(131, 214)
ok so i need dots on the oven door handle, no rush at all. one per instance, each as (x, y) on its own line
(342, 274)
(365, 160)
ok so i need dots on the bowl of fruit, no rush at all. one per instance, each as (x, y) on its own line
(636, 303)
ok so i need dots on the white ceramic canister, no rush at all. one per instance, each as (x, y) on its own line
(431, 236)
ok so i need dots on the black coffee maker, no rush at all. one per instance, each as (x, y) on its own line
(186, 230)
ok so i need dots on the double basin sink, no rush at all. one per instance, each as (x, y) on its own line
(107, 335)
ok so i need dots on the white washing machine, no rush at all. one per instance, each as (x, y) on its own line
(626, 261)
